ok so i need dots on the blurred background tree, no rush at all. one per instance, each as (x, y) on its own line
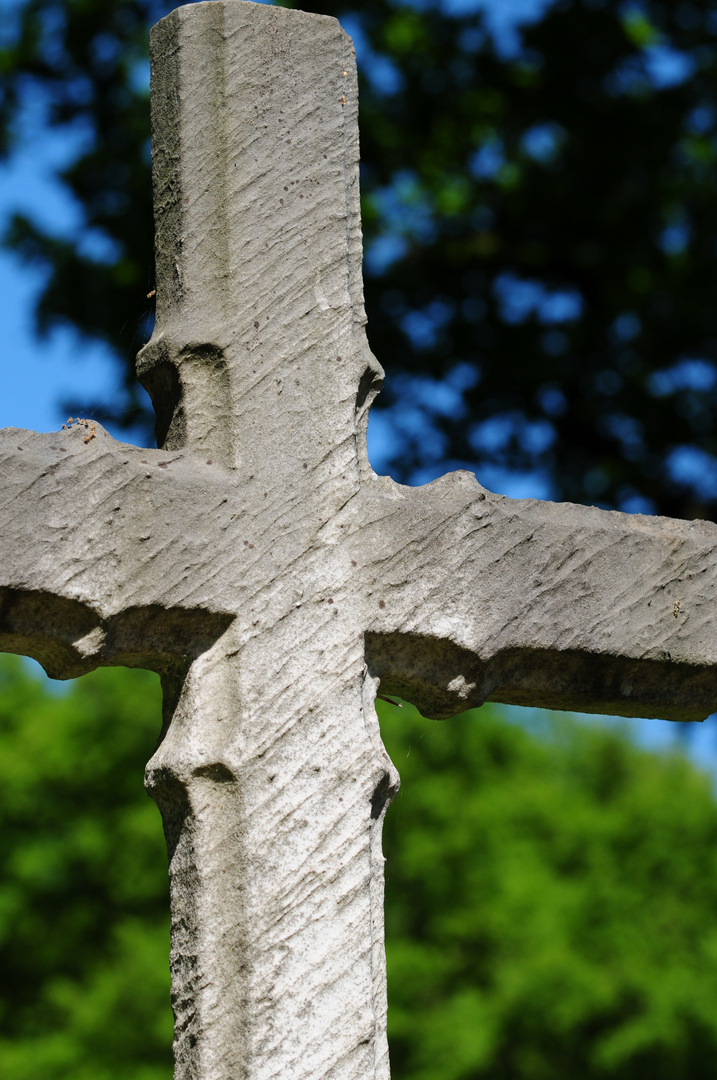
(84, 899)
(540, 220)
(550, 906)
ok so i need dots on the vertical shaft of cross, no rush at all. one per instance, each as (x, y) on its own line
(271, 777)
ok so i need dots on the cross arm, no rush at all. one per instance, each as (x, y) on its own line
(473, 597)
(107, 551)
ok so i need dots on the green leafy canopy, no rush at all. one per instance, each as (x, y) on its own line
(549, 904)
(550, 911)
(84, 905)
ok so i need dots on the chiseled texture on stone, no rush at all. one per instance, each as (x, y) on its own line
(272, 579)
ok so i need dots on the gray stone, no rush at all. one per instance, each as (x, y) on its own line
(257, 563)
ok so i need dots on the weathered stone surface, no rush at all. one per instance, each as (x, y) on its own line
(260, 566)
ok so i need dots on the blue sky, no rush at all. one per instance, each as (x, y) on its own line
(38, 374)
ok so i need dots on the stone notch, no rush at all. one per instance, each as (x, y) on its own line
(272, 579)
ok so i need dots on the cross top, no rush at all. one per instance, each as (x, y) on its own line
(257, 563)
(259, 357)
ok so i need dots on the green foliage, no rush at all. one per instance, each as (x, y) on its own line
(84, 908)
(551, 897)
(574, 171)
(551, 904)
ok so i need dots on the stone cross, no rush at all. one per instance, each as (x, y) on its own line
(273, 580)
